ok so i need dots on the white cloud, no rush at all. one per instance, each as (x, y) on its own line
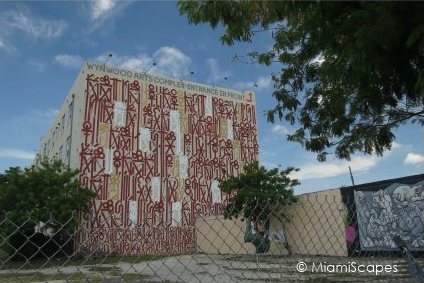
(101, 8)
(198, 46)
(170, 61)
(318, 60)
(140, 63)
(243, 86)
(69, 61)
(270, 165)
(16, 153)
(216, 73)
(396, 145)
(280, 130)
(22, 20)
(43, 116)
(414, 159)
(48, 113)
(335, 167)
(261, 83)
(37, 65)
(5, 46)
(36, 27)
(319, 170)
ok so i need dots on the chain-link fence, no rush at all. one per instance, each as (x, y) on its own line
(324, 238)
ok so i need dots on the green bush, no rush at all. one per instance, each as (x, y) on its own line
(257, 192)
(39, 207)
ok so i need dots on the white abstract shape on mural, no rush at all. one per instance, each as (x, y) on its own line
(174, 120)
(176, 213)
(216, 192)
(119, 114)
(230, 134)
(132, 212)
(178, 143)
(208, 106)
(144, 139)
(174, 126)
(155, 189)
(183, 166)
(109, 161)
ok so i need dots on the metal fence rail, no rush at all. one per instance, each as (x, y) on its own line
(323, 239)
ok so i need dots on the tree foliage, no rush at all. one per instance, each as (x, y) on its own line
(46, 197)
(48, 190)
(351, 72)
(257, 192)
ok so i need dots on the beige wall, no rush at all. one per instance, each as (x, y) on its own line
(315, 228)
(216, 235)
(316, 224)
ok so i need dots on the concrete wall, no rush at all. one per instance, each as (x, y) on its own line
(316, 224)
(216, 235)
(315, 228)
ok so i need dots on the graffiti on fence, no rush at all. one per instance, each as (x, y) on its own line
(397, 210)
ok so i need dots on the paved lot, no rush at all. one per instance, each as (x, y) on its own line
(218, 268)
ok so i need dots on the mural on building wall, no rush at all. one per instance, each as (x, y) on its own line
(396, 210)
(154, 156)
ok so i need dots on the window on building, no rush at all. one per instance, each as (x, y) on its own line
(68, 148)
(63, 124)
(61, 153)
(70, 112)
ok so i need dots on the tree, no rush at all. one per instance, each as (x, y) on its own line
(258, 192)
(351, 72)
(37, 204)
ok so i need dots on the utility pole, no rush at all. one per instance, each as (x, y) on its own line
(351, 176)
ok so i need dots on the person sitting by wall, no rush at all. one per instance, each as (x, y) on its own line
(257, 233)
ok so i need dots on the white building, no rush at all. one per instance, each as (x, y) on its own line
(154, 149)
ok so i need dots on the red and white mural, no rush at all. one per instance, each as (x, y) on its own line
(155, 155)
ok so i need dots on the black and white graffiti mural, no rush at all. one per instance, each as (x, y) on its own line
(395, 210)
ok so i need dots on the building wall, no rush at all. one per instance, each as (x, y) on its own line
(62, 138)
(315, 228)
(153, 149)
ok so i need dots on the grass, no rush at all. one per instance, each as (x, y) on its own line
(28, 277)
(97, 274)
(102, 269)
(74, 278)
(95, 264)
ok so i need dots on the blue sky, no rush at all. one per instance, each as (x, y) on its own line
(43, 46)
